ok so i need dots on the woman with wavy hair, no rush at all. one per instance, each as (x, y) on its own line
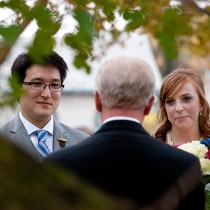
(183, 114)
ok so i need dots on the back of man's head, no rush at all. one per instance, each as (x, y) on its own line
(125, 82)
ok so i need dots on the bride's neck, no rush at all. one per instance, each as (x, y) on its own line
(184, 137)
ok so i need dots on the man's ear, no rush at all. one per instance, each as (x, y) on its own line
(149, 105)
(97, 101)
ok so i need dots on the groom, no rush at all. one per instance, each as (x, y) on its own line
(121, 158)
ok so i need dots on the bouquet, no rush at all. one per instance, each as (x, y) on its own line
(201, 149)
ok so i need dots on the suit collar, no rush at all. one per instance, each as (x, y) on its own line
(31, 128)
(122, 125)
(20, 136)
(16, 124)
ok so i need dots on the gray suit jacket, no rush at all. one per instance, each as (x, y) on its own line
(15, 133)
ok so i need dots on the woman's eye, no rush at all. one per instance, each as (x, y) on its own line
(169, 101)
(187, 99)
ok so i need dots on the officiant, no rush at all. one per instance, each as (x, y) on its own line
(121, 158)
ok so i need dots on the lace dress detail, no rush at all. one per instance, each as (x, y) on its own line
(170, 142)
(168, 139)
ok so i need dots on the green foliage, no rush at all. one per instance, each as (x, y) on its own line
(206, 179)
(82, 40)
(135, 18)
(48, 23)
(20, 8)
(207, 199)
(12, 96)
(169, 24)
(108, 7)
(167, 33)
(26, 184)
(175, 27)
(168, 43)
(199, 43)
(10, 33)
(36, 53)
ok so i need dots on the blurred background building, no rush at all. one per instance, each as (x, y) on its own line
(77, 107)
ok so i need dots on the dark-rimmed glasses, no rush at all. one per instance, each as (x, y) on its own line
(41, 86)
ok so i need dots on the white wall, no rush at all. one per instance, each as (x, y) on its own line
(79, 110)
(75, 110)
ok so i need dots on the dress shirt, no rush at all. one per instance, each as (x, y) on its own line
(121, 118)
(31, 128)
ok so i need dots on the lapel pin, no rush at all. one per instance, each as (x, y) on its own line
(62, 142)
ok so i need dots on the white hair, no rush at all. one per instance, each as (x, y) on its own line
(125, 82)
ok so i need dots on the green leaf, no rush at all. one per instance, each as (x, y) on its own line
(134, 17)
(81, 63)
(11, 97)
(173, 18)
(168, 44)
(206, 179)
(85, 26)
(207, 199)
(82, 40)
(42, 45)
(108, 7)
(10, 33)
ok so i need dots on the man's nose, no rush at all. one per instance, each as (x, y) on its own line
(46, 91)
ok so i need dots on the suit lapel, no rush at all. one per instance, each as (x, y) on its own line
(20, 138)
(59, 133)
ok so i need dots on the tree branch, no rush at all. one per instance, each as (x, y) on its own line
(6, 47)
(192, 5)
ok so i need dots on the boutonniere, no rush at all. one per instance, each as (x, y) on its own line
(62, 142)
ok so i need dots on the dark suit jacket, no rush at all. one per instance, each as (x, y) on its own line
(124, 160)
(16, 134)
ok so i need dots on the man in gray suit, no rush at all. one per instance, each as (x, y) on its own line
(35, 129)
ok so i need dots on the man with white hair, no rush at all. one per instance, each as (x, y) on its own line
(121, 158)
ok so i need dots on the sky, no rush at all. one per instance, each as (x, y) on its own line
(79, 80)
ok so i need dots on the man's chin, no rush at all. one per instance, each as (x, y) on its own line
(44, 114)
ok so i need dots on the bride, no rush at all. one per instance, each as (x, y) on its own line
(183, 114)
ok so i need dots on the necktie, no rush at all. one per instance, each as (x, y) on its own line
(42, 146)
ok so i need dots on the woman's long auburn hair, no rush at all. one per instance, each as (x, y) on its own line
(174, 82)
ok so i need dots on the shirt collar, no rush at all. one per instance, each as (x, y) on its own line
(121, 118)
(31, 128)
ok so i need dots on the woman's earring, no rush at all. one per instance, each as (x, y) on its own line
(200, 113)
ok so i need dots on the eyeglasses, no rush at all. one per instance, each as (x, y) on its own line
(41, 86)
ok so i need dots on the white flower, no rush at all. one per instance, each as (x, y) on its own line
(199, 150)
(195, 148)
(205, 166)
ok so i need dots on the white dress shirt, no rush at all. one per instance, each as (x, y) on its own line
(31, 128)
(121, 118)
